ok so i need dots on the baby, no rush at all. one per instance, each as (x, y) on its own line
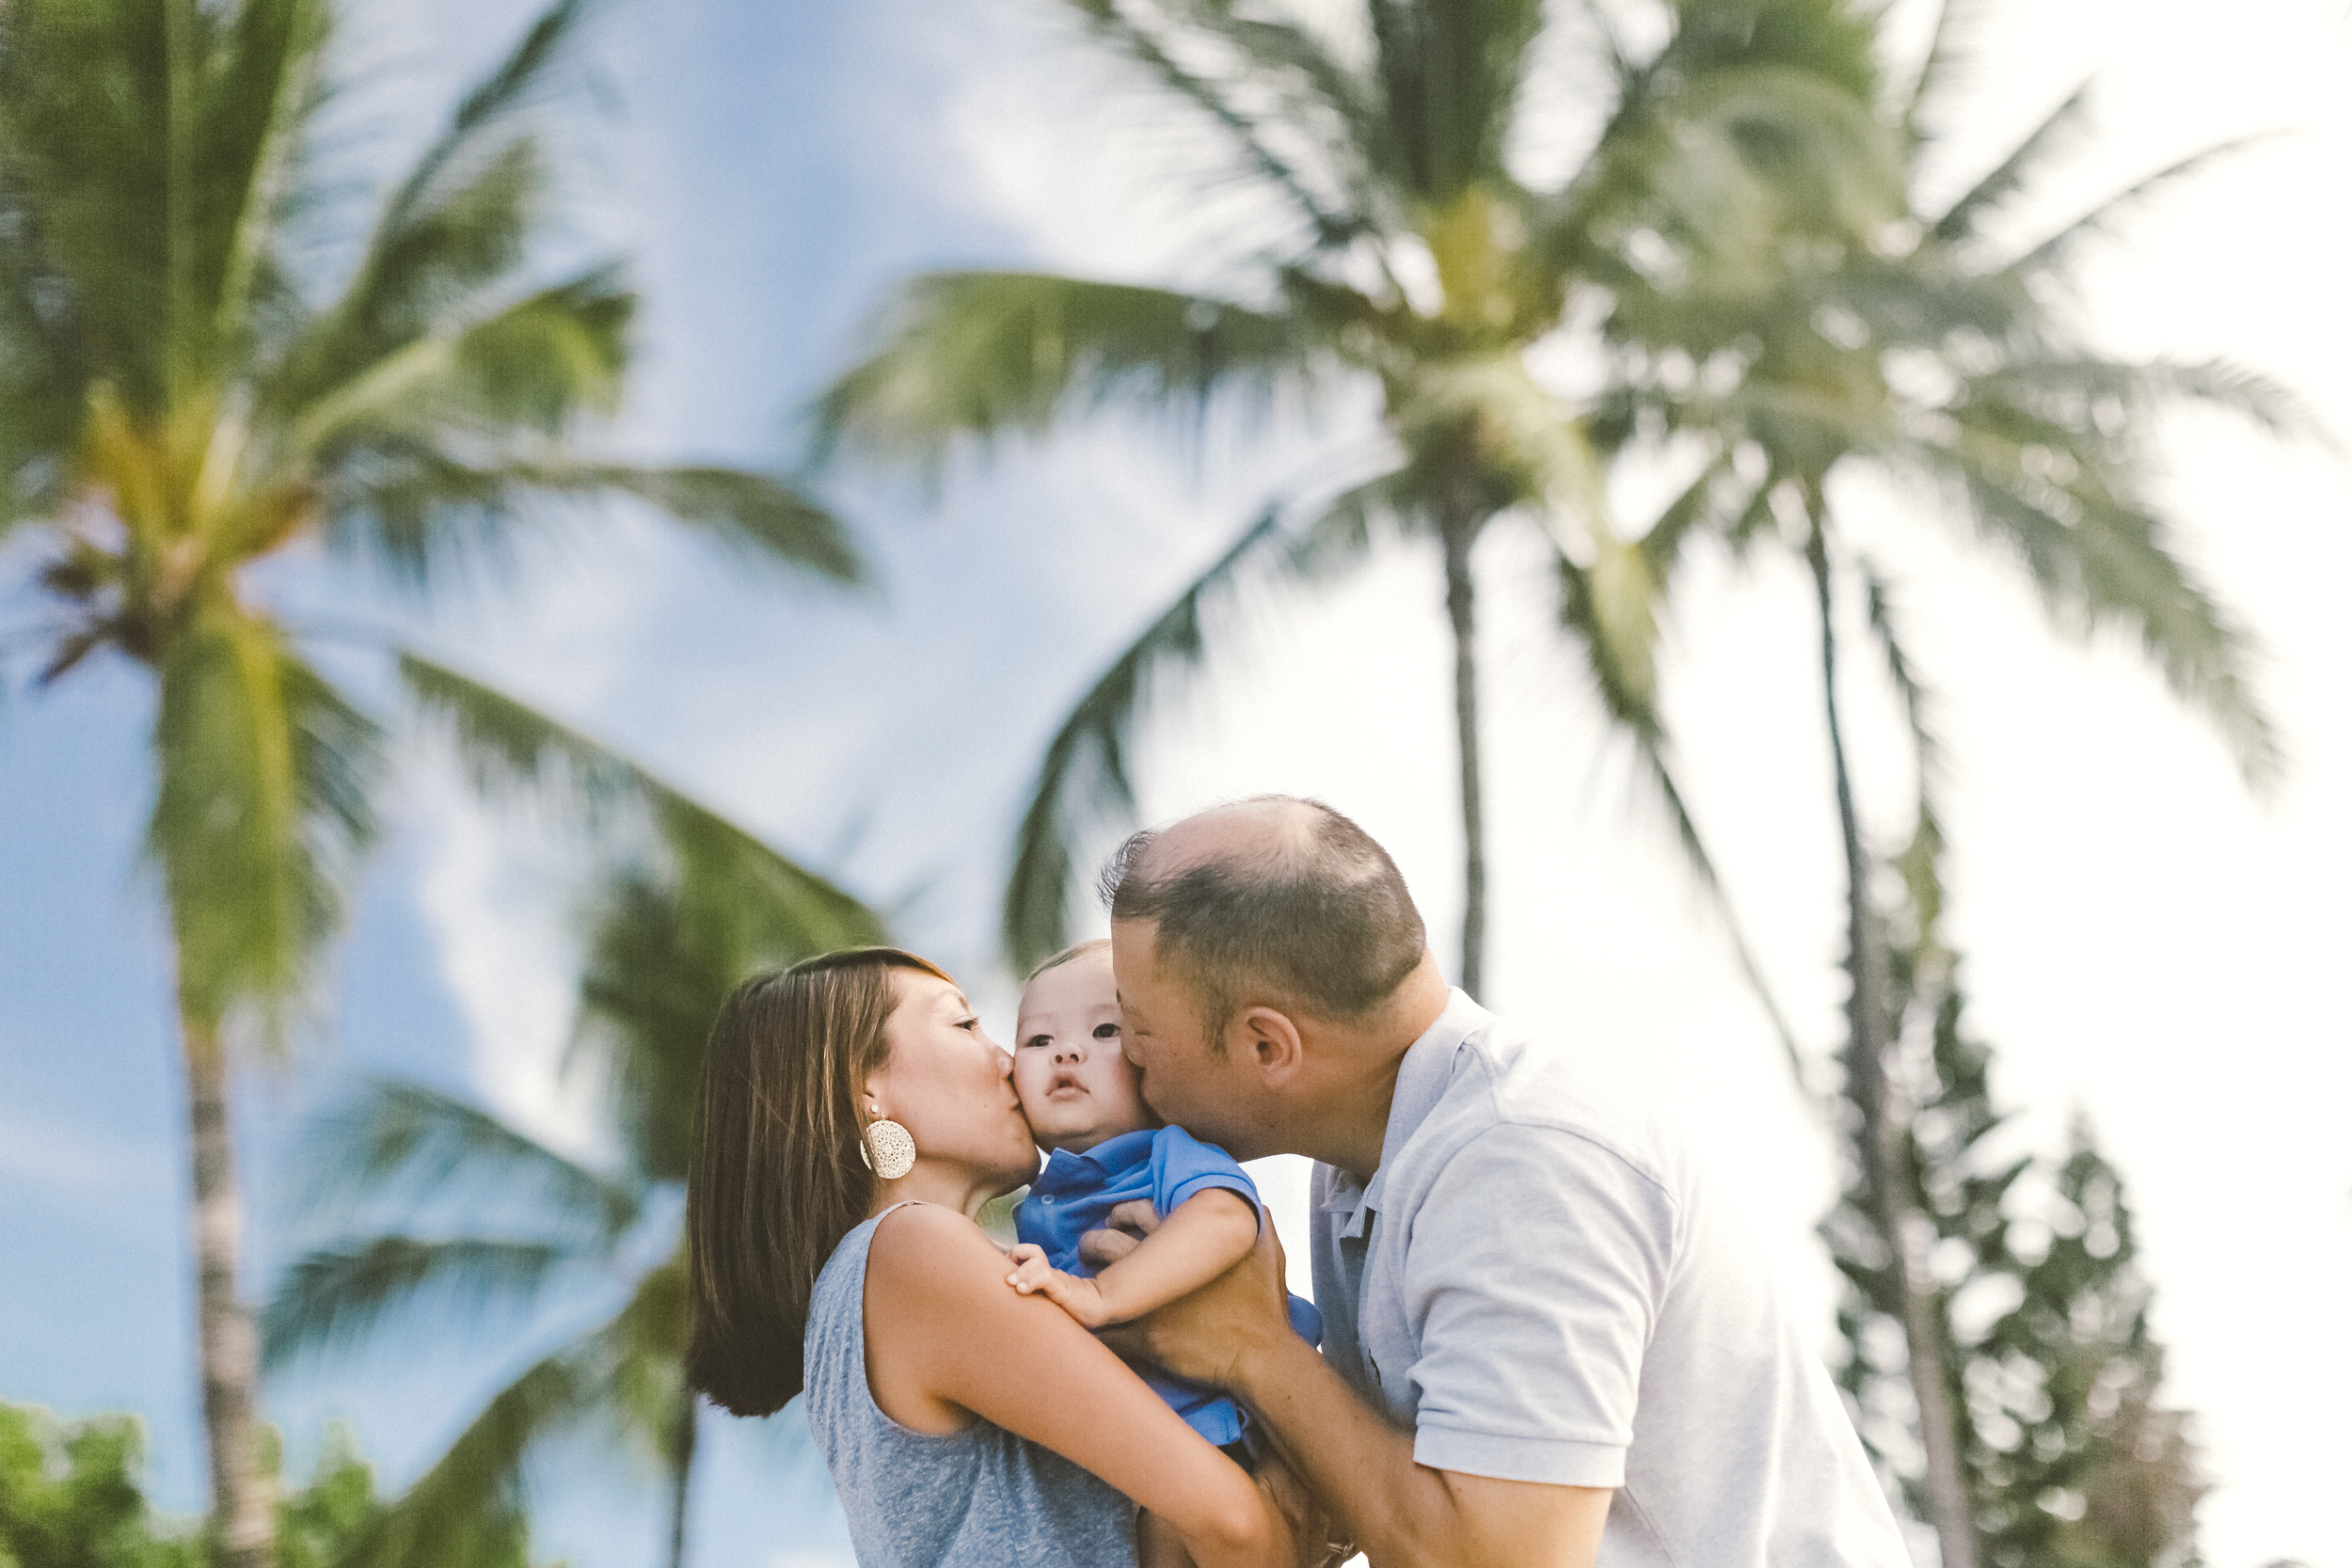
(1106, 1147)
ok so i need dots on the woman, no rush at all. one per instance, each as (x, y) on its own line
(963, 1424)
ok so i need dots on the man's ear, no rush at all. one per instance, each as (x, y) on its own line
(1270, 1039)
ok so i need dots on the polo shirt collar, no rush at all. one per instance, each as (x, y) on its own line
(1112, 1157)
(1421, 1078)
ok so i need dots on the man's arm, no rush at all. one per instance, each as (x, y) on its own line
(1209, 1233)
(1234, 1333)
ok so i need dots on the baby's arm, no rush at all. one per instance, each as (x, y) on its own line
(1209, 1232)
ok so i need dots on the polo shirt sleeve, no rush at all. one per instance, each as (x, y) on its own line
(1534, 1273)
(1182, 1166)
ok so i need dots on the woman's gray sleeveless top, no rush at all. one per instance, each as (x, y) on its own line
(977, 1498)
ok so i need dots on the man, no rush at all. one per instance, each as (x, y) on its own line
(1546, 1342)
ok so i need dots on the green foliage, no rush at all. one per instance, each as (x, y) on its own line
(175, 412)
(172, 412)
(2070, 1460)
(71, 1497)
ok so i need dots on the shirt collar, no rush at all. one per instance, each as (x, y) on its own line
(1421, 1078)
(1113, 1156)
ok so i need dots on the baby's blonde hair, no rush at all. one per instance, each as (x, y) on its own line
(1078, 950)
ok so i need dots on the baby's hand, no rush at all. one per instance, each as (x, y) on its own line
(1033, 1276)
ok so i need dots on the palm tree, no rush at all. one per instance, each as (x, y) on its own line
(182, 399)
(1415, 260)
(672, 933)
(1936, 356)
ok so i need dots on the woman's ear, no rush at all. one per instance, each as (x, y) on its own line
(1271, 1040)
(873, 1095)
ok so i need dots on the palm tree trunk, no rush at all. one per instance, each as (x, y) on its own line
(227, 1351)
(1458, 531)
(682, 1474)
(1882, 1135)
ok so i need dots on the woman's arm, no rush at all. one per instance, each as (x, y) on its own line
(1209, 1232)
(945, 1341)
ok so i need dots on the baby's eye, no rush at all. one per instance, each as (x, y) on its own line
(1039, 1040)
(1107, 1030)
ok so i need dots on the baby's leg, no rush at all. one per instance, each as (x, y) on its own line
(1156, 1546)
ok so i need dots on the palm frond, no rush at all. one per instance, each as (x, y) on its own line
(2098, 558)
(1085, 776)
(457, 222)
(466, 1510)
(261, 811)
(2006, 179)
(535, 363)
(1249, 137)
(1901, 671)
(1950, 52)
(648, 1342)
(1320, 98)
(410, 1146)
(338, 1296)
(2075, 384)
(1449, 79)
(513, 748)
(1084, 780)
(1760, 153)
(2051, 254)
(1922, 860)
(1633, 711)
(979, 355)
(669, 937)
(265, 90)
(758, 518)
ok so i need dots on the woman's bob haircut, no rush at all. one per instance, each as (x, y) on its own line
(778, 1176)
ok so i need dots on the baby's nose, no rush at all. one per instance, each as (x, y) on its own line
(1069, 1051)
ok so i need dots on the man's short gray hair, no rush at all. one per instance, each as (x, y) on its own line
(1319, 917)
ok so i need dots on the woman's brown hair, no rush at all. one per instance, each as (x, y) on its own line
(778, 1176)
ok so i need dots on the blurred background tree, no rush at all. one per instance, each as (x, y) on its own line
(71, 1497)
(1408, 256)
(2067, 1458)
(486, 1218)
(180, 401)
(1941, 353)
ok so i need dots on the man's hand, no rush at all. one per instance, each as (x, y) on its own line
(1212, 1335)
(1033, 1276)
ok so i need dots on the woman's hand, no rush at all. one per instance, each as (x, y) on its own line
(1033, 1276)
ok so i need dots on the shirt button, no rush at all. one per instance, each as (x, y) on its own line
(1046, 1200)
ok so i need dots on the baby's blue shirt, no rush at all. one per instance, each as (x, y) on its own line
(1076, 1193)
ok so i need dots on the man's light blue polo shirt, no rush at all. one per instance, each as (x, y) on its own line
(1076, 1193)
(1540, 1284)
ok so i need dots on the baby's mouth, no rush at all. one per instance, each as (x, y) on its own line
(1064, 1083)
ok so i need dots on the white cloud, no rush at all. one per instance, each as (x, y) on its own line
(494, 896)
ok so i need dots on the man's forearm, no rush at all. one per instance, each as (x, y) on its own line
(1399, 1513)
(1396, 1511)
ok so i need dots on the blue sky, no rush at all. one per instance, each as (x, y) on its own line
(2144, 941)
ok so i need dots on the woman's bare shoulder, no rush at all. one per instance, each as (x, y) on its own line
(935, 1247)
